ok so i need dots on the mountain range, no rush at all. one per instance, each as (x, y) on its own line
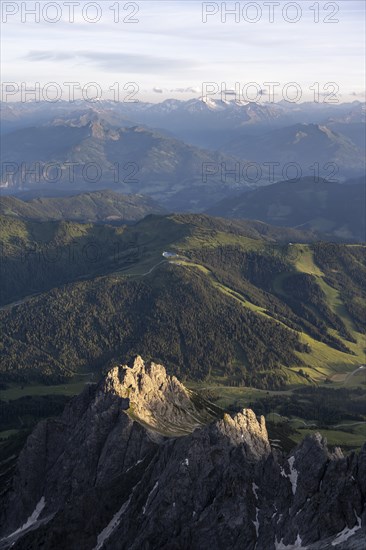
(204, 122)
(89, 153)
(162, 149)
(138, 461)
(314, 148)
(333, 210)
(251, 293)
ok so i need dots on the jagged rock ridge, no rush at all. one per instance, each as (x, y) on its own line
(94, 478)
(158, 401)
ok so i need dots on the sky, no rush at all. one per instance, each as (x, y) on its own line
(152, 50)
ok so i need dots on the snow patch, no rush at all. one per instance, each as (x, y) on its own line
(256, 522)
(133, 465)
(347, 533)
(31, 520)
(215, 105)
(185, 462)
(297, 544)
(148, 498)
(293, 474)
(107, 531)
(254, 489)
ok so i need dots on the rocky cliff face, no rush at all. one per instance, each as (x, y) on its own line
(156, 400)
(111, 473)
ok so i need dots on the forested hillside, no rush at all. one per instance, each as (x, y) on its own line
(99, 206)
(208, 312)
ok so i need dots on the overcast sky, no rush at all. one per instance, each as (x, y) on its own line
(170, 51)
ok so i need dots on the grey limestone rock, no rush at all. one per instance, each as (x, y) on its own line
(137, 462)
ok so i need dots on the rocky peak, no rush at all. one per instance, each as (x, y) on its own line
(161, 402)
(157, 400)
(245, 428)
(141, 379)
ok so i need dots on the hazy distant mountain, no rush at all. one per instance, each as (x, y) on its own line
(129, 159)
(351, 124)
(15, 116)
(336, 210)
(208, 124)
(214, 122)
(99, 206)
(304, 144)
(155, 163)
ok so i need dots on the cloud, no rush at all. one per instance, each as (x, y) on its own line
(232, 92)
(37, 55)
(170, 49)
(116, 61)
(158, 90)
(189, 90)
(358, 94)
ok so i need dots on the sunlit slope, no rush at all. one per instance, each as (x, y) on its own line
(241, 303)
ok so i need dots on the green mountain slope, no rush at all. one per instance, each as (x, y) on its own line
(99, 206)
(37, 256)
(237, 304)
